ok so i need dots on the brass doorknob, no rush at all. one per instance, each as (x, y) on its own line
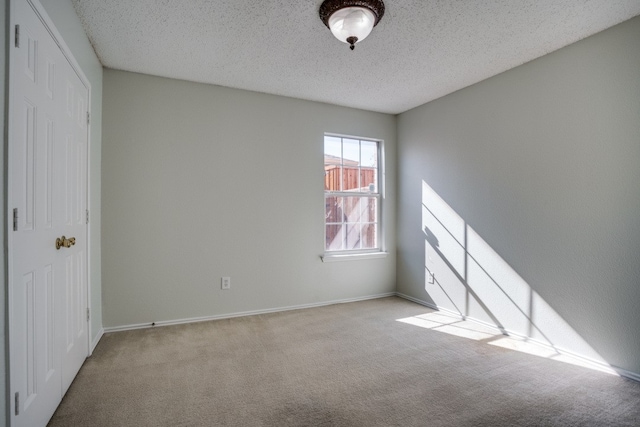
(64, 242)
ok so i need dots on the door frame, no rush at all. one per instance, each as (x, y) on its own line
(66, 51)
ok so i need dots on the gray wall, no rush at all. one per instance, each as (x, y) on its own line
(522, 194)
(201, 182)
(68, 24)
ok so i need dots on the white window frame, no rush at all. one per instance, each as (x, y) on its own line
(355, 254)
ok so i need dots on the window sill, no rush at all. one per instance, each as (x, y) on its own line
(352, 257)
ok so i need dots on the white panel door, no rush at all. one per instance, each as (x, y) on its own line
(72, 221)
(48, 326)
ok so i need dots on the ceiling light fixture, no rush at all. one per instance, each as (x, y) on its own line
(351, 21)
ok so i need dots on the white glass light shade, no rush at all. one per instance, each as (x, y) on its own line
(351, 22)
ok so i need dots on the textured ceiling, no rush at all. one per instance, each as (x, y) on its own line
(421, 49)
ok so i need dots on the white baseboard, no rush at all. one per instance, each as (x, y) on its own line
(596, 363)
(241, 314)
(627, 374)
(419, 301)
(96, 340)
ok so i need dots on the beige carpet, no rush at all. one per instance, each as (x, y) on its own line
(342, 365)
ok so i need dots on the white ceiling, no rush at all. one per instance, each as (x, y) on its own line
(421, 49)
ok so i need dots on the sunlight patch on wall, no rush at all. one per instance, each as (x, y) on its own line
(465, 275)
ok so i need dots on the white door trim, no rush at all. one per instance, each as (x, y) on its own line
(57, 37)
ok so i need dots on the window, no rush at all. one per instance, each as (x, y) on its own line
(352, 195)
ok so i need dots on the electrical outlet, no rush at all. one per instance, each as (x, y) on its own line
(226, 283)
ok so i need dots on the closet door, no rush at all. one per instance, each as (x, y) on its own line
(47, 200)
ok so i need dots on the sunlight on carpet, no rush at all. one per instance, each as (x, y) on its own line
(454, 325)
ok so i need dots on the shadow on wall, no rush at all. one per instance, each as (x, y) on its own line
(463, 274)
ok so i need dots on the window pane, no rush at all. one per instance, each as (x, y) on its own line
(352, 236)
(369, 210)
(333, 147)
(331, 177)
(332, 162)
(333, 238)
(333, 209)
(353, 212)
(369, 236)
(369, 154)
(351, 209)
(369, 180)
(350, 164)
(351, 151)
(350, 178)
